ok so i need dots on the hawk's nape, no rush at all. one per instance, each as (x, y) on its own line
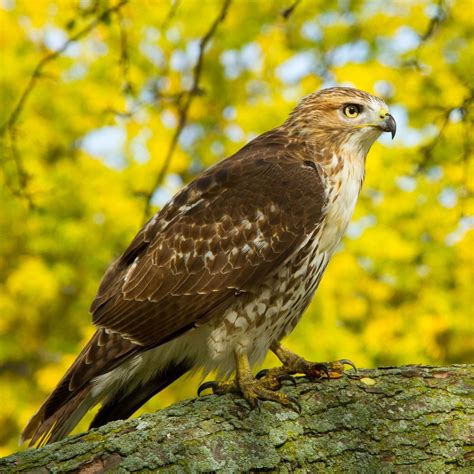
(224, 271)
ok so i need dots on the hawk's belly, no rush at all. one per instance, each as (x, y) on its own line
(258, 320)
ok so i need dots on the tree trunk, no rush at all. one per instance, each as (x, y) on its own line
(404, 419)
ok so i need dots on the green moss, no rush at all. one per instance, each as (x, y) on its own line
(400, 424)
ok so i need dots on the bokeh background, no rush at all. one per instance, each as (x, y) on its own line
(109, 107)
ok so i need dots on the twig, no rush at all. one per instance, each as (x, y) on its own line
(287, 12)
(184, 108)
(433, 25)
(124, 56)
(20, 170)
(434, 22)
(9, 126)
(445, 120)
(171, 13)
(11, 121)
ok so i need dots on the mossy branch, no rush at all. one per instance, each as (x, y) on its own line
(397, 419)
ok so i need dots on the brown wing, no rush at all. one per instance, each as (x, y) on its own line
(220, 236)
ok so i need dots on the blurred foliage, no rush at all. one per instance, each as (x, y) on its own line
(99, 134)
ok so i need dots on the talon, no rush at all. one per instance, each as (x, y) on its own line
(320, 367)
(261, 374)
(205, 386)
(294, 364)
(257, 391)
(349, 363)
(295, 404)
(287, 378)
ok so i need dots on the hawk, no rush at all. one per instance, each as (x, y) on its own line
(225, 270)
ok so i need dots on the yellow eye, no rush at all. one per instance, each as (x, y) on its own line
(351, 110)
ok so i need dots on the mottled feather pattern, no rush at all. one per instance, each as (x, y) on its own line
(224, 232)
(228, 266)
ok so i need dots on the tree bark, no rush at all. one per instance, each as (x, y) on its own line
(394, 419)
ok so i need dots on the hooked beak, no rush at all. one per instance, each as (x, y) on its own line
(388, 124)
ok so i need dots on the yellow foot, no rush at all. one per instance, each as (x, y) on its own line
(253, 390)
(294, 364)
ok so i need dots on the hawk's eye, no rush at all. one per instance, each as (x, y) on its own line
(352, 110)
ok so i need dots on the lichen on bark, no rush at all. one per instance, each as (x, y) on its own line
(395, 419)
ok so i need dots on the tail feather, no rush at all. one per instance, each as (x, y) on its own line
(57, 418)
(43, 429)
(124, 403)
(72, 397)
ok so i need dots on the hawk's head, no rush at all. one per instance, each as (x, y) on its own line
(343, 116)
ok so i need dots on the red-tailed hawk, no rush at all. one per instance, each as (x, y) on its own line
(225, 270)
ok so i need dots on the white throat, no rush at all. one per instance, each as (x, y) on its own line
(343, 188)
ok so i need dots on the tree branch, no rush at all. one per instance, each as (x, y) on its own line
(427, 150)
(188, 99)
(435, 21)
(8, 128)
(13, 118)
(23, 177)
(124, 60)
(171, 13)
(405, 419)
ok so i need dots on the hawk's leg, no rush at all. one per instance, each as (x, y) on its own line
(253, 390)
(294, 364)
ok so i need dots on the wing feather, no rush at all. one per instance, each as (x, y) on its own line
(226, 231)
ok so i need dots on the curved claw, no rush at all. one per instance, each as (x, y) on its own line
(349, 363)
(324, 368)
(204, 386)
(295, 404)
(261, 374)
(288, 378)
